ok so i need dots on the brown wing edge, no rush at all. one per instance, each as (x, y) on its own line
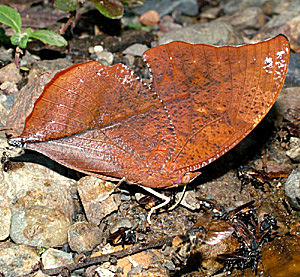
(201, 164)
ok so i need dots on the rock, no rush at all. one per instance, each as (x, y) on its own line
(5, 55)
(287, 23)
(129, 60)
(294, 152)
(250, 18)
(97, 198)
(10, 73)
(292, 189)
(48, 65)
(5, 221)
(83, 237)
(211, 13)
(164, 7)
(293, 74)
(288, 99)
(17, 260)
(34, 185)
(105, 57)
(167, 24)
(142, 262)
(39, 226)
(136, 49)
(9, 87)
(53, 258)
(150, 18)
(218, 33)
(234, 6)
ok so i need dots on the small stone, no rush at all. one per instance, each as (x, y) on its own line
(10, 73)
(150, 18)
(53, 258)
(17, 260)
(9, 87)
(39, 226)
(214, 32)
(5, 221)
(119, 224)
(104, 57)
(234, 6)
(211, 13)
(98, 49)
(98, 198)
(294, 152)
(252, 17)
(136, 49)
(5, 55)
(83, 236)
(292, 189)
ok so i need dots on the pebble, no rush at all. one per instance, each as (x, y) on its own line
(233, 6)
(53, 258)
(83, 236)
(214, 32)
(167, 24)
(164, 7)
(9, 87)
(136, 49)
(5, 221)
(150, 18)
(10, 73)
(17, 260)
(5, 55)
(105, 57)
(292, 189)
(293, 74)
(294, 152)
(288, 99)
(97, 198)
(252, 18)
(39, 226)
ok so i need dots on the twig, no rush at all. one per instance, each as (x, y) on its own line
(65, 270)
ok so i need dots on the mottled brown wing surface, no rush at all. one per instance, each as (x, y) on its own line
(216, 95)
(203, 100)
(100, 120)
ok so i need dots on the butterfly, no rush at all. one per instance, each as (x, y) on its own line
(103, 120)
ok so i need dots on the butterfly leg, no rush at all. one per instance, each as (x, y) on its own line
(158, 195)
(180, 198)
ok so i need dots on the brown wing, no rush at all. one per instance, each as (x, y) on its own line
(100, 120)
(216, 95)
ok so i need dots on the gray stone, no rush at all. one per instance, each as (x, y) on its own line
(35, 185)
(5, 55)
(288, 99)
(294, 152)
(234, 6)
(53, 258)
(252, 17)
(218, 33)
(17, 260)
(39, 226)
(105, 57)
(293, 74)
(84, 236)
(164, 7)
(10, 73)
(292, 189)
(136, 49)
(97, 198)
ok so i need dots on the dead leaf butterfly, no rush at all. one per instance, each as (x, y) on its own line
(102, 120)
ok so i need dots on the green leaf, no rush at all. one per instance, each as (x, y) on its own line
(109, 8)
(10, 17)
(20, 39)
(49, 37)
(66, 5)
